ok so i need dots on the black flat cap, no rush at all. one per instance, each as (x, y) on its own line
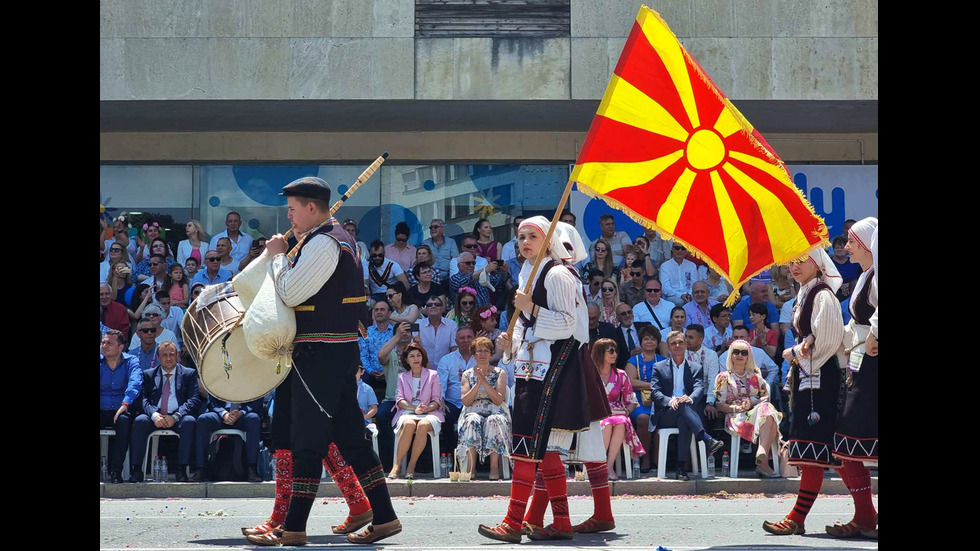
(310, 187)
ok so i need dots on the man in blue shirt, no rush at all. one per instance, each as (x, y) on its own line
(377, 335)
(212, 273)
(443, 250)
(758, 294)
(120, 381)
(450, 369)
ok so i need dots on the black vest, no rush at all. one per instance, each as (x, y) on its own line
(333, 314)
(539, 295)
(804, 324)
(861, 307)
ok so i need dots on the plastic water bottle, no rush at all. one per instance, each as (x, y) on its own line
(155, 470)
(726, 463)
(164, 471)
(443, 466)
(711, 466)
(636, 468)
(104, 468)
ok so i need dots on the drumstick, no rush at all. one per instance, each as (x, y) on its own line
(365, 176)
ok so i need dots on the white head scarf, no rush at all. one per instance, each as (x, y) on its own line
(572, 241)
(863, 232)
(829, 270)
(556, 249)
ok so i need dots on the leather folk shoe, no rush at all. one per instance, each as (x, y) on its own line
(354, 523)
(262, 528)
(594, 525)
(501, 532)
(279, 537)
(376, 532)
(550, 533)
(785, 527)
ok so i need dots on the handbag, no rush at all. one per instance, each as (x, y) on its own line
(785, 469)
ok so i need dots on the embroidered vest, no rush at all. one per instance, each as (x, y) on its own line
(804, 323)
(861, 307)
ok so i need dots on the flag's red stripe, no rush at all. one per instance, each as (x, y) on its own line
(700, 223)
(760, 250)
(641, 66)
(647, 199)
(709, 106)
(613, 141)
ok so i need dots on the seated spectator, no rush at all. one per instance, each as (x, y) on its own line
(389, 358)
(362, 249)
(718, 287)
(196, 244)
(381, 272)
(402, 309)
(450, 369)
(765, 363)
(467, 245)
(653, 309)
(762, 335)
(153, 314)
(401, 251)
(486, 246)
(173, 316)
(486, 321)
(718, 335)
(698, 310)
(678, 275)
(659, 249)
(367, 399)
(639, 368)
(425, 285)
(191, 266)
(627, 334)
(176, 286)
(514, 265)
(619, 242)
(238, 243)
(462, 313)
(137, 299)
(632, 291)
(120, 236)
(649, 263)
(437, 334)
(376, 335)
(678, 319)
(758, 294)
(151, 230)
(783, 286)
(419, 404)
(158, 273)
(849, 271)
(112, 314)
(471, 278)
(212, 273)
(158, 247)
(117, 254)
(423, 257)
(602, 260)
(226, 261)
(443, 250)
(170, 399)
(146, 352)
(120, 382)
(706, 360)
(485, 426)
(196, 289)
(608, 302)
(219, 414)
(616, 428)
(743, 396)
(599, 329)
(593, 286)
(258, 245)
(676, 386)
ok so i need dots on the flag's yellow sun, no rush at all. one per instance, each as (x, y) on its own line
(704, 149)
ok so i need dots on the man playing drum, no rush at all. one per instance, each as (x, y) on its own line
(323, 282)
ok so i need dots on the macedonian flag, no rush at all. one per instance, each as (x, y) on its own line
(668, 148)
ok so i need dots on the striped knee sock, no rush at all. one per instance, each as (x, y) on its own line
(599, 480)
(859, 484)
(811, 479)
(553, 473)
(343, 475)
(539, 502)
(283, 461)
(520, 489)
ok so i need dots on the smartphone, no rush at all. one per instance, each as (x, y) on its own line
(415, 330)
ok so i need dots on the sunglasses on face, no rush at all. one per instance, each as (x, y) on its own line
(653, 290)
(470, 246)
(212, 259)
(147, 331)
(434, 305)
(151, 315)
(467, 303)
(628, 314)
(468, 262)
(636, 274)
(607, 289)
(115, 250)
(678, 248)
(600, 250)
(737, 352)
(157, 263)
(434, 227)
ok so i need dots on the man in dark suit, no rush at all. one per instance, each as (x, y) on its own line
(627, 334)
(170, 399)
(676, 386)
(599, 329)
(245, 417)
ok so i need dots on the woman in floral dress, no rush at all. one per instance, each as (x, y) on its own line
(743, 396)
(484, 423)
(616, 428)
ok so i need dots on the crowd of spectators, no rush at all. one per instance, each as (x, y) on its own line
(429, 360)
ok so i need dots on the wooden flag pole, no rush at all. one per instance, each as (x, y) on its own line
(541, 254)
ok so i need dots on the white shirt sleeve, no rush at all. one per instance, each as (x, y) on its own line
(667, 276)
(827, 324)
(296, 284)
(558, 320)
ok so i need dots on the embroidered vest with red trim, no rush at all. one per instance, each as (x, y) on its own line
(333, 314)
(804, 324)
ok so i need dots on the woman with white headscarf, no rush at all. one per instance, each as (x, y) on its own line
(550, 396)
(856, 439)
(817, 389)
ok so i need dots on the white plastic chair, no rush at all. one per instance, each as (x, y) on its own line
(627, 460)
(373, 429)
(433, 440)
(153, 444)
(227, 432)
(104, 435)
(664, 435)
(733, 460)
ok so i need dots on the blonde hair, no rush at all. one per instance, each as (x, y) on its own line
(742, 345)
(199, 228)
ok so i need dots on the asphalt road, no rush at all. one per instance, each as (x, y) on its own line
(676, 522)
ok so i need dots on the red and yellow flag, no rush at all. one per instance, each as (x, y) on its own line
(667, 148)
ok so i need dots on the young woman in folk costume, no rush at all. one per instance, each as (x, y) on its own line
(551, 398)
(856, 439)
(816, 383)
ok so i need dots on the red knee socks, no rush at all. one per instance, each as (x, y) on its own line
(553, 472)
(520, 489)
(599, 480)
(283, 460)
(539, 502)
(858, 480)
(343, 475)
(811, 479)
